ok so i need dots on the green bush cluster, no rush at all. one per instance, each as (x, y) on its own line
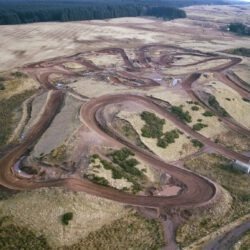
(195, 108)
(122, 166)
(168, 138)
(192, 102)
(197, 143)
(154, 125)
(216, 106)
(66, 218)
(121, 155)
(199, 126)
(117, 173)
(121, 158)
(181, 114)
(98, 180)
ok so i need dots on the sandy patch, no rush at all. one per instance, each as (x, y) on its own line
(175, 70)
(73, 65)
(106, 60)
(37, 105)
(92, 88)
(62, 127)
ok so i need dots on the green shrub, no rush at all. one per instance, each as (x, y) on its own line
(170, 136)
(129, 167)
(216, 106)
(199, 126)
(99, 180)
(162, 143)
(121, 155)
(154, 125)
(184, 116)
(245, 99)
(197, 143)
(66, 218)
(195, 108)
(95, 156)
(208, 113)
(116, 174)
(2, 87)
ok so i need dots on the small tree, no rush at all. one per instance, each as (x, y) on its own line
(66, 218)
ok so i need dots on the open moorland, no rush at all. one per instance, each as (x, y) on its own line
(121, 133)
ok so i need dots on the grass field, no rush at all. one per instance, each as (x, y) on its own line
(89, 214)
(130, 232)
(236, 183)
(8, 109)
(95, 223)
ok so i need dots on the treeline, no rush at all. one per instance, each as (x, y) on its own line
(27, 11)
(166, 12)
(239, 28)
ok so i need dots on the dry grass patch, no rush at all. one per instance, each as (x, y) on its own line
(16, 83)
(10, 114)
(236, 183)
(231, 101)
(242, 71)
(130, 232)
(41, 211)
(105, 60)
(19, 237)
(175, 70)
(234, 141)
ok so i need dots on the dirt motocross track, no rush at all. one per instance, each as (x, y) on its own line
(196, 190)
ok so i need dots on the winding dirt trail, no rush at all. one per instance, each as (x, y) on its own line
(196, 191)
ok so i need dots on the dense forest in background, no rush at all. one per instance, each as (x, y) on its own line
(29, 11)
